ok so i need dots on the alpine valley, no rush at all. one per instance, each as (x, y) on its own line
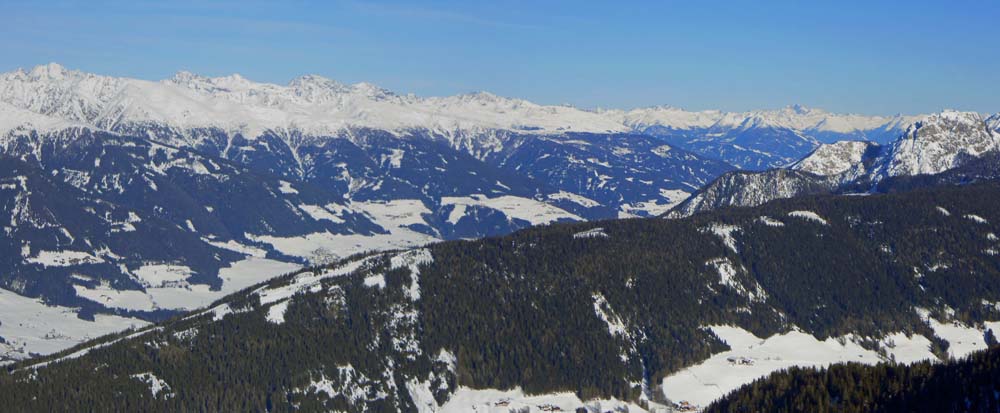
(219, 244)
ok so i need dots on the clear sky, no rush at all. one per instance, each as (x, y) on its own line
(846, 56)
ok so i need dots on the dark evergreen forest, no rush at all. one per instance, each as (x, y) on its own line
(532, 309)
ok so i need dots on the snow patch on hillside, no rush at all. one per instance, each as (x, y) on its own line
(669, 198)
(398, 217)
(307, 281)
(713, 378)
(376, 281)
(323, 247)
(502, 401)
(771, 222)
(320, 213)
(276, 313)
(237, 276)
(591, 233)
(29, 326)
(236, 246)
(63, 258)
(287, 188)
(725, 233)
(808, 216)
(156, 385)
(349, 383)
(603, 310)
(160, 275)
(728, 277)
(577, 199)
(412, 260)
(514, 207)
(112, 298)
(903, 349)
(976, 218)
(962, 339)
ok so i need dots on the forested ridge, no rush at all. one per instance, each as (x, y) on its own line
(598, 308)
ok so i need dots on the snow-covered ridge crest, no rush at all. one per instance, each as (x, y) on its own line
(934, 144)
(834, 158)
(315, 105)
(937, 143)
(310, 104)
(15, 119)
(795, 117)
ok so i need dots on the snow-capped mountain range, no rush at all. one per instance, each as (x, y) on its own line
(315, 106)
(762, 139)
(129, 200)
(933, 145)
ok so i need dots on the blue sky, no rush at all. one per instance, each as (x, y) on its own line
(846, 56)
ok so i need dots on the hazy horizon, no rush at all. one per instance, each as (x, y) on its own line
(854, 57)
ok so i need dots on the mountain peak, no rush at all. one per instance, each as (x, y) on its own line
(481, 95)
(315, 83)
(939, 142)
(48, 71)
(310, 79)
(306, 102)
(235, 77)
(957, 115)
(800, 109)
(833, 158)
(185, 76)
(371, 90)
(946, 119)
(485, 98)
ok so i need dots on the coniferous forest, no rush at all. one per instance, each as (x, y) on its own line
(601, 309)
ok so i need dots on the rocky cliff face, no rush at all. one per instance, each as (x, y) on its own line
(747, 189)
(936, 144)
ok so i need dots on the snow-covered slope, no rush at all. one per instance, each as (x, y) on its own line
(188, 104)
(229, 172)
(746, 189)
(13, 119)
(937, 143)
(994, 122)
(816, 121)
(311, 104)
(306, 129)
(765, 138)
(318, 105)
(140, 199)
(835, 158)
(934, 145)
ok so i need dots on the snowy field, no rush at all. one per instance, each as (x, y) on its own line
(504, 401)
(29, 326)
(752, 357)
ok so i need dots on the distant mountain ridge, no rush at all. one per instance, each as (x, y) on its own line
(262, 178)
(220, 183)
(934, 145)
(765, 139)
(313, 105)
